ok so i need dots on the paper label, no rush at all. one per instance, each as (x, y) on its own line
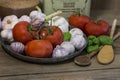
(67, 6)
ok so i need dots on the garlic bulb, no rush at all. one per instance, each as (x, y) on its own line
(37, 18)
(59, 52)
(68, 46)
(7, 34)
(76, 31)
(61, 22)
(9, 22)
(17, 47)
(25, 18)
(78, 41)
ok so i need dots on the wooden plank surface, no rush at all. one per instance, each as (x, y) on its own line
(13, 69)
(78, 75)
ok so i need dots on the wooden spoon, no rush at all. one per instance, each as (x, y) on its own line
(116, 36)
(85, 60)
(106, 54)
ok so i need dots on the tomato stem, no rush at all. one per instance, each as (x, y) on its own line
(78, 13)
(38, 30)
(30, 28)
(37, 35)
(49, 31)
(98, 22)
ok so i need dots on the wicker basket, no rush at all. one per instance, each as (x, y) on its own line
(17, 7)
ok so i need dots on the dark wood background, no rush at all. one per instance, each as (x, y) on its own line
(105, 9)
(105, 4)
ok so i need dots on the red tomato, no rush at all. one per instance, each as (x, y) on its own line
(78, 21)
(53, 34)
(43, 33)
(21, 33)
(39, 48)
(97, 29)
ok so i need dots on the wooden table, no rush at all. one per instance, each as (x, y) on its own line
(14, 69)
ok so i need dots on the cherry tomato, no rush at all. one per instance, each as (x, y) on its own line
(39, 48)
(43, 33)
(52, 34)
(21, 33)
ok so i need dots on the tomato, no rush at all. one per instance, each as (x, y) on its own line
(43, 33)
(97, 29)
(53, 34)
(78, 21)
(21, 33)
(39, 48)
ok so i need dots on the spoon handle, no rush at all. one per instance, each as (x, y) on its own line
(116, 36)
(113, 28)
(95, 52)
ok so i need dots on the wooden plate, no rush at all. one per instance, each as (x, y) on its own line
(6, 47)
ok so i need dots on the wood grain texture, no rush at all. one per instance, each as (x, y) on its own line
(11, 68)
